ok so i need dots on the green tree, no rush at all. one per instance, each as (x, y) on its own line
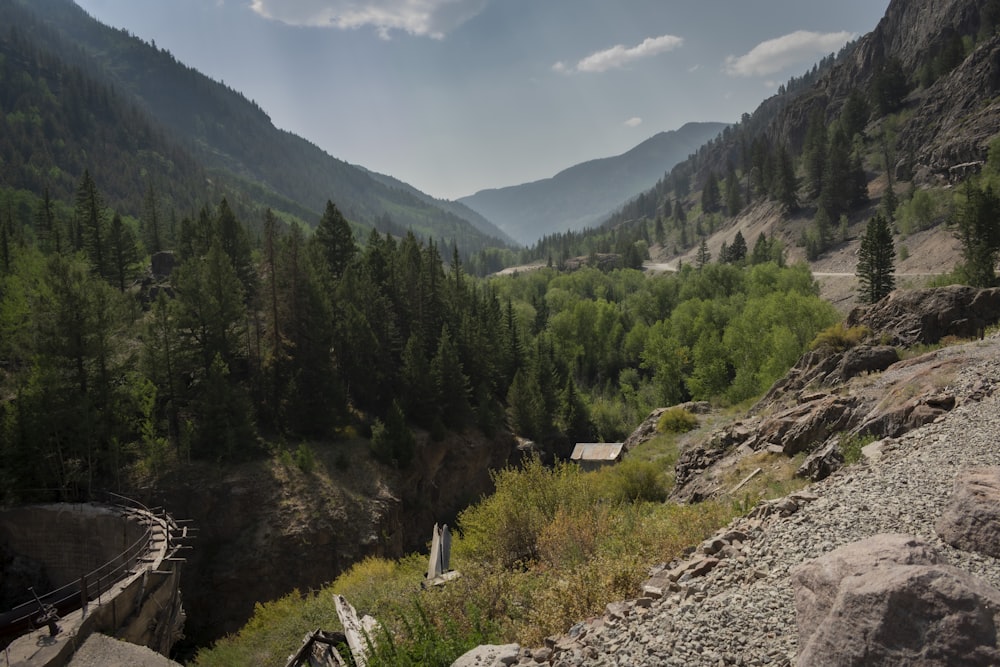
(976, 227)
(738, 250)
(875, 270)
(91, 224)
(335, 240)
(854, 115)
(123, 250)
(814, 152)
(710, 195)
(889, 87)
(734, 200)
(704, 255)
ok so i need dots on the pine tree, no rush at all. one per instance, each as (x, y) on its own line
(785, 184)
(335, 239)
(710, 196)
(734, 201)
(875, 270)
(976, 227)
(123, 250)
(738, 250)
(704, 256)
(91, 225)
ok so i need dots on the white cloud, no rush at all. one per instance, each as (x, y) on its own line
(619, 56)
(635, 121)
(776, 54)
(427, 18)
(693, 68)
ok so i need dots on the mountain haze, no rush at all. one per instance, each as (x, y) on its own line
(188, 118)
(584, 194)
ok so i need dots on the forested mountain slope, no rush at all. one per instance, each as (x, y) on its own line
(889, 125)
(225, 141)
(584, 194)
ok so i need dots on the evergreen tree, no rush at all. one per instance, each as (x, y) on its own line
(976, 226)
(814, 153)
(875, 270)
(889, 88)
(704, 256)
(450, 383)
(710, 196)
(151, 223)
(734, 201)
(738, 250)
(761, 251)
(854, 115)
(123, 250)
(91, 225)
(785, 183)
(335, 240)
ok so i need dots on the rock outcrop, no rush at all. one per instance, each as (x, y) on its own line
(925, 316)
(971, 521)
(888, 600)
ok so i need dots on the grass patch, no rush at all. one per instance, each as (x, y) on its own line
(838, 338)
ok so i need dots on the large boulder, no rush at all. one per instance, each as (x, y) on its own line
(971, 520)
(889, 601)
(489, 655)
(803, 427)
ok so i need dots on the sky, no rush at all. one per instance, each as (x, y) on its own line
(455, 96)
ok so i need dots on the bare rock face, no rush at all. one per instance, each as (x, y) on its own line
(911, 317)
(971, 521)
(822, 463)
(888, 601)
(821, 368)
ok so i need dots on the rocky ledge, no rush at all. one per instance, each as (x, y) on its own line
(732, 602)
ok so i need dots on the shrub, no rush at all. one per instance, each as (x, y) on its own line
(837, 338)
(504, 528)
(305, 459)
(676, 420)
(850, 446)
(633, 480)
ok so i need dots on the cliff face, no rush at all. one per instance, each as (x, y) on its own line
(265, 528)
(949, 122)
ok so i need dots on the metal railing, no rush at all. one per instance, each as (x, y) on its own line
(92, 585)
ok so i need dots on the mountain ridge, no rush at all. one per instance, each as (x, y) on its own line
(231, 137)
(583, 194)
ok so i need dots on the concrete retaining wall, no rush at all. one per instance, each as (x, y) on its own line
(144, 607)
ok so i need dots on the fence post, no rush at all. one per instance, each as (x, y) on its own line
(83, 593)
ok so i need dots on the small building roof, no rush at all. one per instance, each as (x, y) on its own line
(597, 451)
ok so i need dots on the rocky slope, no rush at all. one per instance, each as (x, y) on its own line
(732, 601)
(742, 611)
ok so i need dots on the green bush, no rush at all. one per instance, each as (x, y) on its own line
(305, 459)
(634, 480)
(676, 420)
(850, 446)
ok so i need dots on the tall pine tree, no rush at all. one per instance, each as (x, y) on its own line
(875, 271)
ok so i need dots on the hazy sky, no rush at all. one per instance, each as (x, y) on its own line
(453, 96)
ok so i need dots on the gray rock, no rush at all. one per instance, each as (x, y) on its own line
(817, 582)
(822, 463)
(489, 655)
(908, 615)
(971, 521)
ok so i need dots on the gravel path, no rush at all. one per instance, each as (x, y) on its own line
(741, 613)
